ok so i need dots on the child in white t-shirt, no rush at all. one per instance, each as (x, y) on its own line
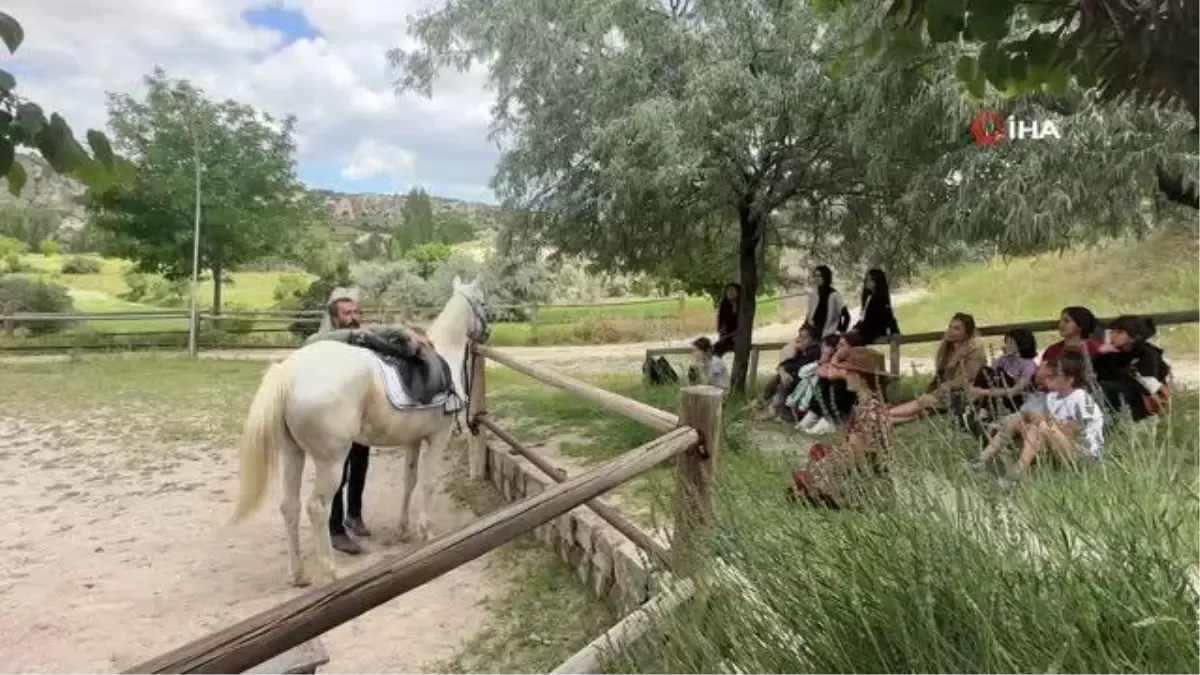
(1075, 428)
(1070, 425)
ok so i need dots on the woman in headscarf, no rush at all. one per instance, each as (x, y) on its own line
(825, 305)
(876, 318)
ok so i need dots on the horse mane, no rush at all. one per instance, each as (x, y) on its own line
(450, 326)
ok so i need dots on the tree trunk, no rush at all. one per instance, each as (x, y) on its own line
(752, 226)
(216, 299)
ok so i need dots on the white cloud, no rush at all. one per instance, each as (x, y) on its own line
(371, 160)
(339, 86)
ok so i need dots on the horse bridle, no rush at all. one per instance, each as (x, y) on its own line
(481, 334)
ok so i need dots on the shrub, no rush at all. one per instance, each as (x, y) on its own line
(79, 264)
(10, 254)
(288, 290)
(153, 289)
(234, 325)
(49, 248)
(20, 295)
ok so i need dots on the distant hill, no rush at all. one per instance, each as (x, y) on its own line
(47, 190)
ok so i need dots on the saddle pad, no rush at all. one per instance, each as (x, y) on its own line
(449, 402)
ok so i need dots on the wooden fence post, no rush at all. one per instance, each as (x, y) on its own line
(700, 409)
(533, 324)
(752, 375)
(477, 404)
(892, 392)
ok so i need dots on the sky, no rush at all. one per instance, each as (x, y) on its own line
(323, 61)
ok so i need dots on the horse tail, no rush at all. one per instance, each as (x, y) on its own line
(263, 434)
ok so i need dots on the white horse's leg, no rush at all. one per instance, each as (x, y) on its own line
(431, 459)
(410, 481)
(320, 503)
(292, 458)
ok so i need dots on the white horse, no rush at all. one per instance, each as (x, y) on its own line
(327, 395)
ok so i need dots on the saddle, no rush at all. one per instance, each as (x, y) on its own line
(423, 373)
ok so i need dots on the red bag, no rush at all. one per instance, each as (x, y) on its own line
(1158, 402)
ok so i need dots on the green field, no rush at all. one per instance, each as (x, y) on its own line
(619, 320)
(1158, 274)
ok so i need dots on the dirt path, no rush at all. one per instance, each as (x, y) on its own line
(107, 558)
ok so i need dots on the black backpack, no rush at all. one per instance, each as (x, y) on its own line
(659, 371)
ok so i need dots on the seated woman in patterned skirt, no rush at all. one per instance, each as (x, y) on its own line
(838, 476)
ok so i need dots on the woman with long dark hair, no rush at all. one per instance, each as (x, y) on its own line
(825, 305)
(876, 318)
(727, 319)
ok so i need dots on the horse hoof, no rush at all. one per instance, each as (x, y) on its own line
(301, 582)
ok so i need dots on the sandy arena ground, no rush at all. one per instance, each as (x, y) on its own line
(106, 561)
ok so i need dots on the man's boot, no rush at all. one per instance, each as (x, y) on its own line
(342, 542)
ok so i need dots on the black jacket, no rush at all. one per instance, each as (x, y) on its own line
(726, 318)
(1145, 359)
(793, 365)
(876, 320)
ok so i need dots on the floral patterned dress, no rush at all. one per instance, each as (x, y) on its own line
(833, 472)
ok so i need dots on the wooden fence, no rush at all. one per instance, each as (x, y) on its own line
(283, 329)
(894, 342)
(692, 439)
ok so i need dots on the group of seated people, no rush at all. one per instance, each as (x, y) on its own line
(1059, 406)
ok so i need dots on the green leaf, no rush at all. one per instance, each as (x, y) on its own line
(7, 82)
(994, 65)
(11, 32)
(965, 69)
(16, 178)
(31, 118)
(943, 28)
(1057, 81)
(1018, 69)
(93, 174)
(988, 20)
(977, 87)
(101, 148)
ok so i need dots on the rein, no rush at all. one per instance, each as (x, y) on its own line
(468, 362)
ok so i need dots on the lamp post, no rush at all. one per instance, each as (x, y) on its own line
(193, 320)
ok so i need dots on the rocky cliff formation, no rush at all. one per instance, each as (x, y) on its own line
(48, 190)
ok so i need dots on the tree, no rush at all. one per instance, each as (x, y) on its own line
(23, 124)
(252, 205)
(27, 223)
(428, 257)
(453, 227)
(1144, 52)
(416, 223)
(632, 127)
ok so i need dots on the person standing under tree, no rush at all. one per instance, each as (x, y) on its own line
(727, 319)
(345, 520)
(827, 313)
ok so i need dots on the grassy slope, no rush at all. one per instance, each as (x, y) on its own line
(1069, 572)
(1159, 274)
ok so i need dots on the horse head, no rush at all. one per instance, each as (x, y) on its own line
(478, 330)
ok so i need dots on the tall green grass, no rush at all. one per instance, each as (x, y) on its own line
(1088, 571)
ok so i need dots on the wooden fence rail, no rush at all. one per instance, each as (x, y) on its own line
(692, 437)
(1173, 318)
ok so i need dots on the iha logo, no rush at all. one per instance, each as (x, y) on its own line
(990, 127)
